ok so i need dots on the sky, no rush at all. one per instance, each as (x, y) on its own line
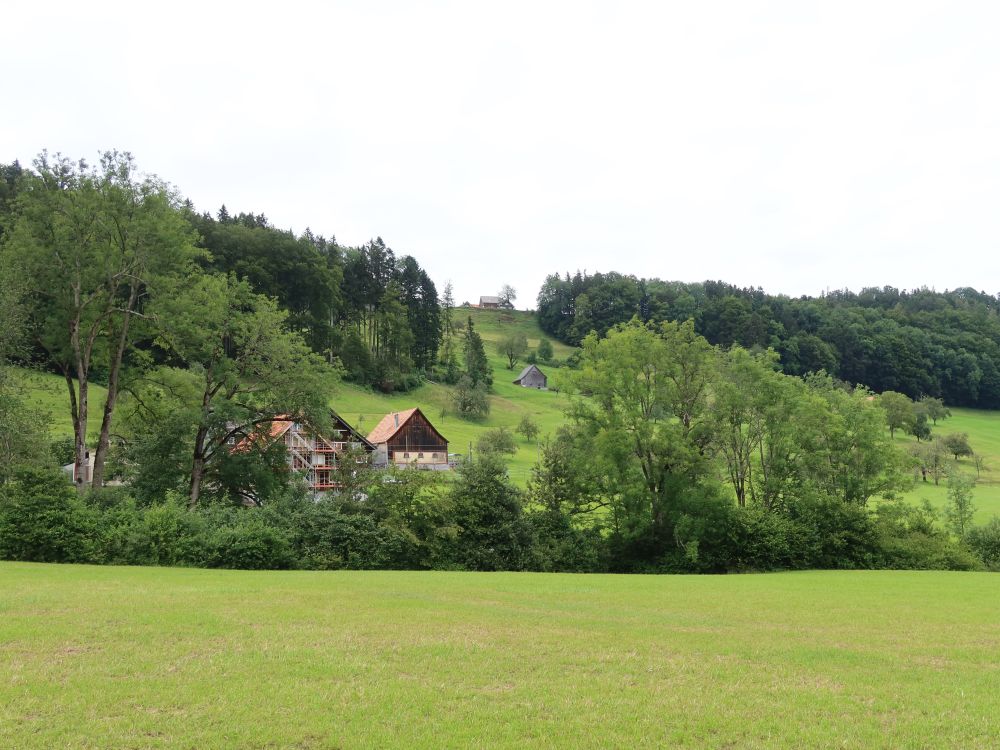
(794, 146)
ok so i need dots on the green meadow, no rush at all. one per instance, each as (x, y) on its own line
(983, 428)
(508, 402)
(96, 657)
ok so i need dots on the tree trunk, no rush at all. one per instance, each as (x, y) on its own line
(80, 418)
(109, 407)
(79, 431)
(197, 471)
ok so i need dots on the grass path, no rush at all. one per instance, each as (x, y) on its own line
(158, 658)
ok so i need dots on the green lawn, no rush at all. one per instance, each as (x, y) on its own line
(149, 658)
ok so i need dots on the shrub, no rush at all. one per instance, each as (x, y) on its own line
(544, 351)
(841, 535)
(767, 540)
(559, 546)
(909, 539)
(43, 520)
(250, 544)
(985, 542)
(497, 440)
(169, 534)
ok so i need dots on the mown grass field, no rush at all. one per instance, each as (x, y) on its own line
(160, 658)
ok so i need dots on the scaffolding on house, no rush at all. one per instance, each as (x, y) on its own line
(313, 456)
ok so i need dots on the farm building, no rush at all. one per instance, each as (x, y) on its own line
(532, 377)
(491, 303)
(407, 438)
(312, 455)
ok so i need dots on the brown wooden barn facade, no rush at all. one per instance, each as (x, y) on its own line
(408, 439)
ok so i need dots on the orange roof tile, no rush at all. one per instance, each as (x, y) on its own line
(390, 425)
(278, 428)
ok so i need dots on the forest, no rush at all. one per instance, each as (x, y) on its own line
(922, 343)
(707, 429)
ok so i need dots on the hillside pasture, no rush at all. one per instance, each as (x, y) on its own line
(165, 658)
(48, 397)
(983, 428)
(508, 402)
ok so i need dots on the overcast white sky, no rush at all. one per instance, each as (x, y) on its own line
(791, 145)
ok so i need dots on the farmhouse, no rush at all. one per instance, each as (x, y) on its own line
(407, 438)
(532, 377)
(312, 455)
(491, 303)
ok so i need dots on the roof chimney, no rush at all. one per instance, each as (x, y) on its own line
(396, 417)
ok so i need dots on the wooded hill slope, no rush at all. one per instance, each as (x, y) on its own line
(922, 342)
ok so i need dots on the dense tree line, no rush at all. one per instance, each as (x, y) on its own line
(374, 313)
(940, 344)
(377, 314)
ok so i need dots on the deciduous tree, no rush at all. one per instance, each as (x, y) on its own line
(249, 369)
(527, 428)
(957, 444)
(95, 245)
(513, 348)
(898, 408)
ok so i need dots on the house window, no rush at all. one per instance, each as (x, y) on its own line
(420, 455)
(230, 440)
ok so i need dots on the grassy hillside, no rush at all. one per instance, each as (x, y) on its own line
(162, 658)
(508, 402)
(983, 428)
(48, 395)
(364, 408)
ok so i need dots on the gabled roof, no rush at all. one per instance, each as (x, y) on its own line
(528, 369)
(281, 424)
(489, 300)
(354, 433)
(278, 427)
(390, 424)
(395, 421)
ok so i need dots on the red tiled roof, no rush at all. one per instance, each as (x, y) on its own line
(277, 428)
(390, 425)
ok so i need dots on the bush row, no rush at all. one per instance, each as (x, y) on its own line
(478, 523)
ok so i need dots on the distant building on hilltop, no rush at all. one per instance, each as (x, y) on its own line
(408, 439)
(532, 377)
(490, 303)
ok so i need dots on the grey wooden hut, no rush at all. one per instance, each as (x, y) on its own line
(532, 377)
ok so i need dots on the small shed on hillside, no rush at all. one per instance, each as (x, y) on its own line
(532, 377)
(407, 438)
